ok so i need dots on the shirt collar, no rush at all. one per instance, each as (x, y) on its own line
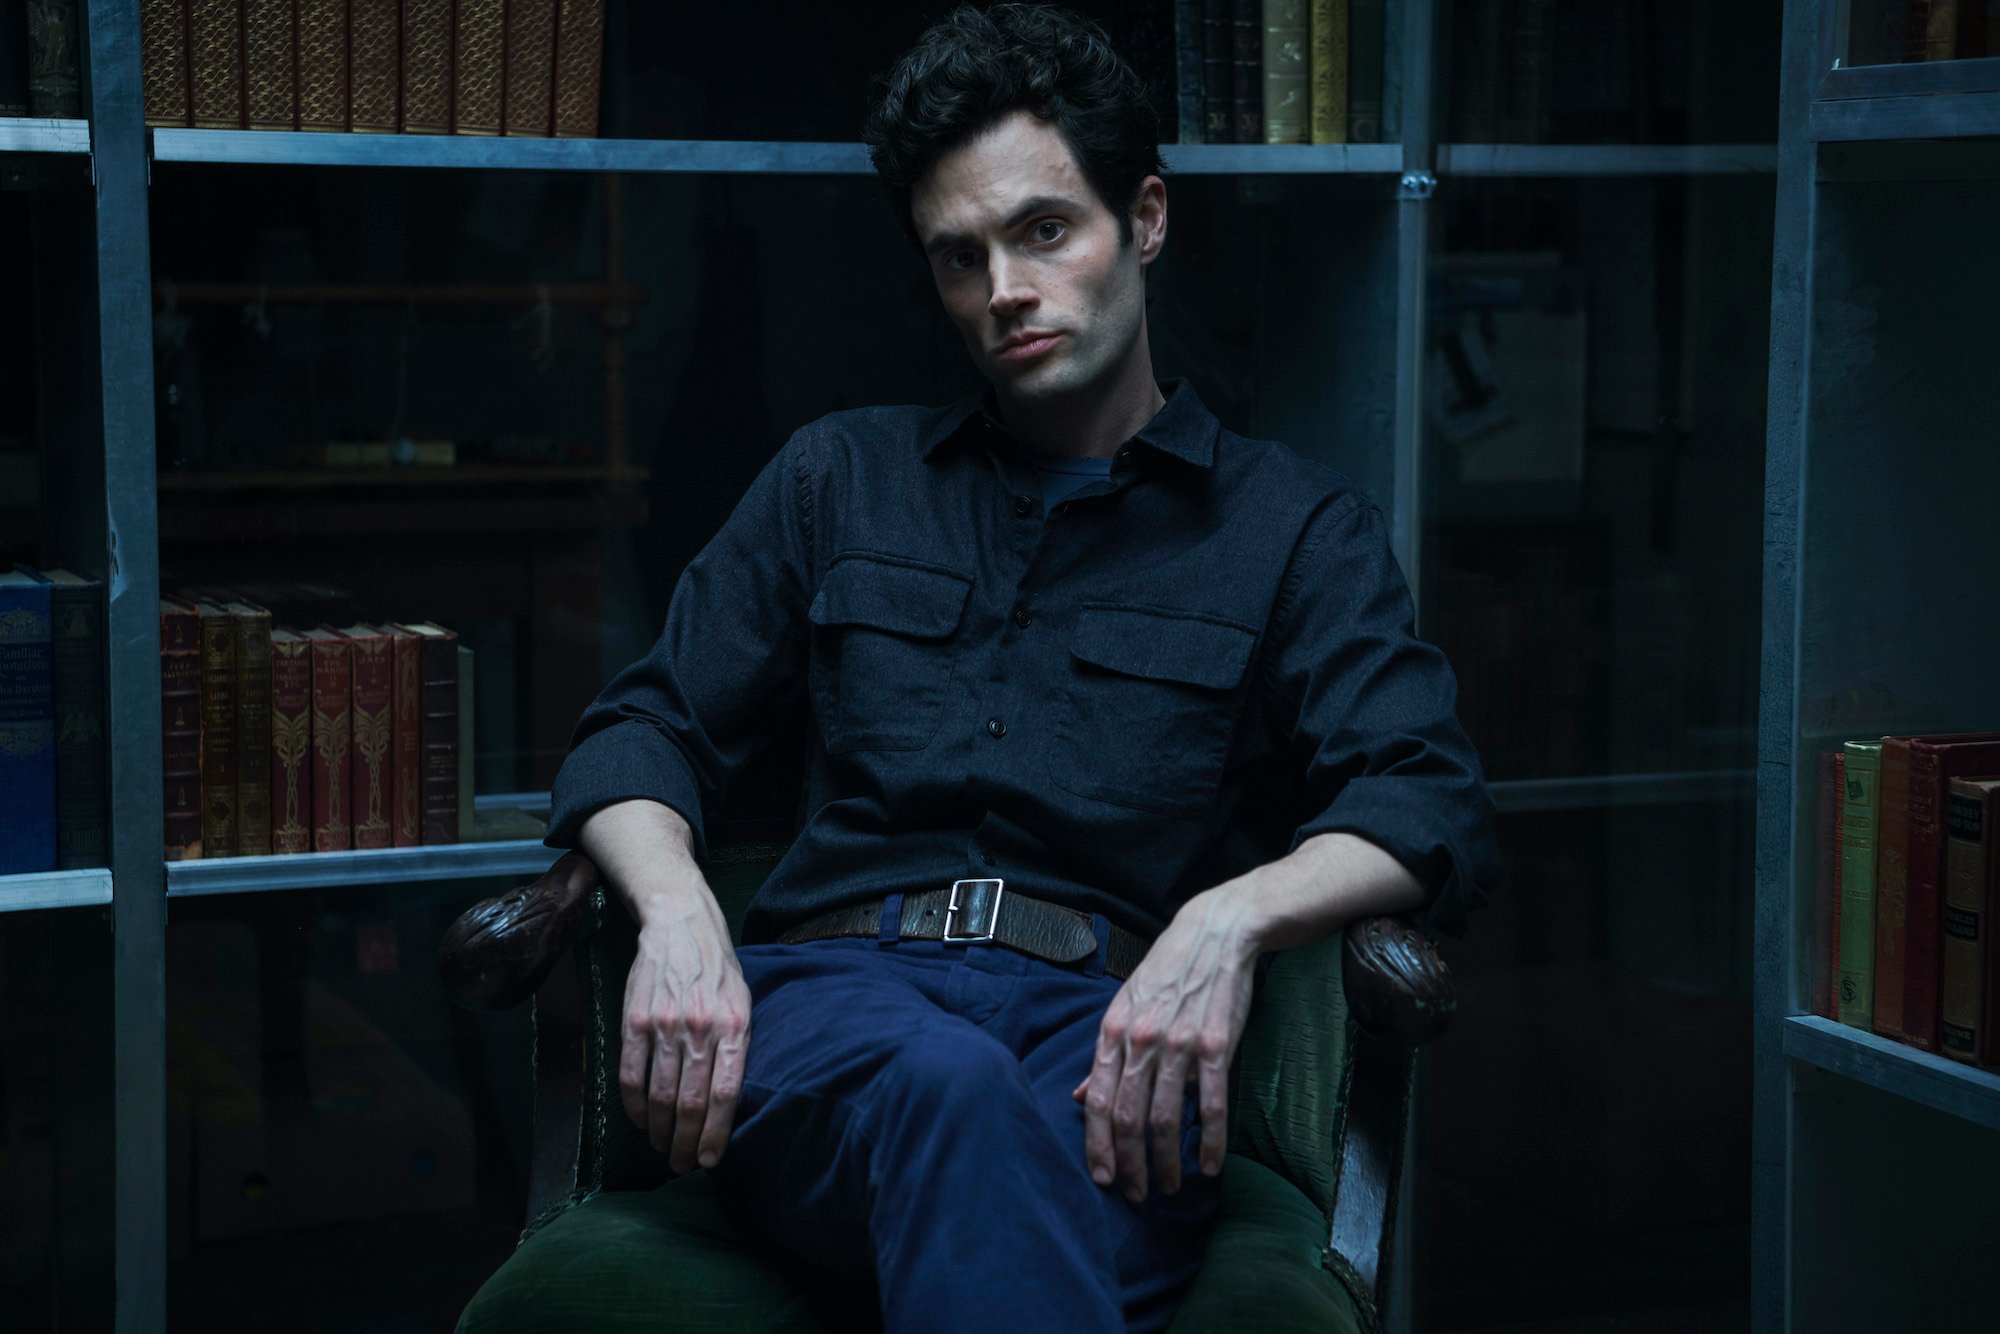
(1183, 427)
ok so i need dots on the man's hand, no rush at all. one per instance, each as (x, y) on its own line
(1178, 1017)
(686, 1035)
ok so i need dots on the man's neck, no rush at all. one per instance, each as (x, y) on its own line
(1092, 427)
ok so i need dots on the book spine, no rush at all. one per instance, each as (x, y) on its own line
(407, 743)
(1246, 70)
(375, 74)
(253, 733)
(1923, 945)
(332, 738)
(1287, 106)
(579, 68)
(374, 692)
(13, 61)
(180, 727)
(1218, 42)
(478, 69)
(215, 64)
(1190, 116)
(218, 734)
(530, 46)
(1969, 838)
(1892, 885)
(1861, 803)
(464, 814)
(426, 65)
(1329, 71)
(27, 730)
(1367, 24)
(55, 59)
(440, 736)
(322, 65)
(76, 614)
(1832, 960)
(291, 745)
(163, 62)
(1827, 845)
(270, 77)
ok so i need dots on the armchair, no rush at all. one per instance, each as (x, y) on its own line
(1318, 1096)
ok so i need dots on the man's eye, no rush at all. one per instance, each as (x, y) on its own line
(1041, 235)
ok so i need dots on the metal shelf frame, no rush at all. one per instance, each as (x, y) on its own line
(40, 890)
(37, 134)
(1896, 1067)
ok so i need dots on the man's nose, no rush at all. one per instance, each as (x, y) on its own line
(1011, 291)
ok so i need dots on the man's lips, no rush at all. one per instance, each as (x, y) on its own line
(1021, 348)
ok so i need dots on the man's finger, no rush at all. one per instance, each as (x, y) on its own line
(725, 1087)
(1129, 1108)
(1214, 1081)
(1098, 1150)
(1169, 1096)
(661, 1091)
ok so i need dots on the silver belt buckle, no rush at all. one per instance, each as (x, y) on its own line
(980, 899)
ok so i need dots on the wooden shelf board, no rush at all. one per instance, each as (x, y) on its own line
(39, 134)
(378, 866)
(1895, 1067)
(456, 475)
(35, 890)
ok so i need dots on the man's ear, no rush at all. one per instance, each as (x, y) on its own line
(1149, 219)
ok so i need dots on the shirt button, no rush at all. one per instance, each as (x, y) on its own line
(1021, 617)
(1023, 505)
(995, 727)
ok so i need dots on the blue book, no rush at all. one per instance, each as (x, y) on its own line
(27, 727)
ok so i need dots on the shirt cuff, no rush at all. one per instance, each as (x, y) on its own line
(1379, 809)
(627, 760)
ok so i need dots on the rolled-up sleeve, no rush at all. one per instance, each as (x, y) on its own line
(1372, 713)
(675, 725)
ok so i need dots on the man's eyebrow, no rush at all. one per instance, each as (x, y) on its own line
(1038, 204)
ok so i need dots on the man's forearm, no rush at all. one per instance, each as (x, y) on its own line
(1326, 882)
(646, 853)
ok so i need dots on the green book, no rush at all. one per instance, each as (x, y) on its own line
(1861, 809)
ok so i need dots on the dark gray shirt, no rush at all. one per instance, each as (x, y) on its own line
(1178, 673)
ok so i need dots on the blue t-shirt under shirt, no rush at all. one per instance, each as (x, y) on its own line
(1063, 474)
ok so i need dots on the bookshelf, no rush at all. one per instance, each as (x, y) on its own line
(1875, 1162)
(1362, 217)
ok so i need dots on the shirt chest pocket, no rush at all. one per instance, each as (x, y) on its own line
(885, 646)
(1147, 709)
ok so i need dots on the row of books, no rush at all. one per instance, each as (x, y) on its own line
(1279, 71)
(478, 67)
(52, 814)
(41, 65)
(1908, 890)
(1895, 31)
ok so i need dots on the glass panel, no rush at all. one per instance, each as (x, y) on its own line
(1889, 32)
(28, 1042)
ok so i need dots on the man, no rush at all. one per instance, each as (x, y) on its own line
(1139, 696)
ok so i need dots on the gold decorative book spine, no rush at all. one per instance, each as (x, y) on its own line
(374, 694)
(218, 731)
(332, 741)
(478, 66)
(531, 67)
(215, 64)
(579, 67)
(180, 727)
(406, 741)
(323, 65)
(291, 742)
(163, 61)
(270, 79)
(426, 66)
(1287, 29)
(375, 66)
(253, 728)
(1329, 71)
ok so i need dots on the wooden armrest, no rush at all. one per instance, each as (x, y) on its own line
(499, 950)
(1397, 986)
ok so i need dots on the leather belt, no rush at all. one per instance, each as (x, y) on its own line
(984, 911)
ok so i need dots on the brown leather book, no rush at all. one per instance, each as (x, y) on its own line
(1934, 762)
(579, 67)
(215, 64)
(218, 730)
(332, 741)
(438, 658)
(406, 741)
(375, 72)
(1892, 832)
(426, 66)
(531, 62)
(478, 67)
(163, 62)
(180, 726)
(323, 96)
(253, 728)
(1971, 862)
(270, 78)
(374, 694)
(291, 742)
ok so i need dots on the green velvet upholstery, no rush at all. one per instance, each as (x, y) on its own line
(637, 1248)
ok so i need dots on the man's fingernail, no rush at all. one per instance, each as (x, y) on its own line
(708, 1157)
(1100, 1175)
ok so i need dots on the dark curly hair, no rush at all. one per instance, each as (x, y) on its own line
(972, 69)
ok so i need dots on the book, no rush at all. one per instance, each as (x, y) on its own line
(438, 666)
(1287, 80)
(291, 742)
(1191, 123)
(215, 66)
(76, 632)
(270, 78)
(1246, 70)
(1861, 804)
(219, 762)
(1218, 42)
(13, 60)
(373, 687)
(253, 728)
(27, 726)
(478, 53)
(180, 726)
(1819, 986)
(1832, 1010)
(425, 106)
(163, 62)
(579, 68)
(1972, 870)
(1367, 22)
(1328, 70)
(529, 87)
(1934, 762)
(406, 742)
(466, 821)
(55, 59)
(1891, 885)
(322, 65)
(332, 740)
(374, 67)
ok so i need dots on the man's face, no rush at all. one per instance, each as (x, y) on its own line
(1019, 244)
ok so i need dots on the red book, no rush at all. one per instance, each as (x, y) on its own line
(406, 737)
(1892, 886)
(373, 694)
(332, 741)
(1934, 762)
(438, 658)
(291, 742)
(180, 725)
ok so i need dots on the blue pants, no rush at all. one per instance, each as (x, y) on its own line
(906, 1114)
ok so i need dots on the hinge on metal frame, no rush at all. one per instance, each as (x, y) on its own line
(1416, 185)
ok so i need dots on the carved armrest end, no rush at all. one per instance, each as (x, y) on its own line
(499, 950)
(1397, 986)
